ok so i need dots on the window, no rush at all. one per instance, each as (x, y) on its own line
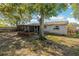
(56, 28)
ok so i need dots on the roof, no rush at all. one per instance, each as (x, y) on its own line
(47, 23)
(35, 22)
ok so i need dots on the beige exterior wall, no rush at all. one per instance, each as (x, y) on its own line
(62, 29)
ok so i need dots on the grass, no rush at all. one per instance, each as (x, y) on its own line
(63, 39)
(73, 43)
(53, 38)
(12, 44)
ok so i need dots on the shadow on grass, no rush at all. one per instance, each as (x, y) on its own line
(10, 43)
(75, 36)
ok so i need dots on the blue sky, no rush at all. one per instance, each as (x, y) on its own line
(67, 13)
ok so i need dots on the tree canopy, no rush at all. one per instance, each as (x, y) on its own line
(20, 11)
(15, 12)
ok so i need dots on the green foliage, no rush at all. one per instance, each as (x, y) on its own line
(76, 10)
(48, 9)
(17, 11)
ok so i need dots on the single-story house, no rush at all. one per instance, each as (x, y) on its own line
(56, 27)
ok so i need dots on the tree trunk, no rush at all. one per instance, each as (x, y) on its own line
(41, 32)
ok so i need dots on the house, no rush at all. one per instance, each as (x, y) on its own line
(56, 27)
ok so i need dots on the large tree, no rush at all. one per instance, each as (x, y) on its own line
(15, 12)
(47, 10)
(44, 10)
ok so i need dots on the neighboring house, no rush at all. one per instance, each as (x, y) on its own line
(56, 27)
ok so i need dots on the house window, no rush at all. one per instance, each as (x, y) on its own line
(56, 28)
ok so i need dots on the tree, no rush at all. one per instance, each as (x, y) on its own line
(15, 12)
(44, 10)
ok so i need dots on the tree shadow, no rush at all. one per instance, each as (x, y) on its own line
(10, 43)
(75, 36)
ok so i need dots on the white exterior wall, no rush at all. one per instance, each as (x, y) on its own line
(62, 30)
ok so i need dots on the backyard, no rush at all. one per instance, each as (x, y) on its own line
(19, 21)
(12, 44)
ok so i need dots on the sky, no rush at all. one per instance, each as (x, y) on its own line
(65, 15)
(68, 15)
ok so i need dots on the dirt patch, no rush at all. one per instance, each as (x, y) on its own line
(12, 44)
